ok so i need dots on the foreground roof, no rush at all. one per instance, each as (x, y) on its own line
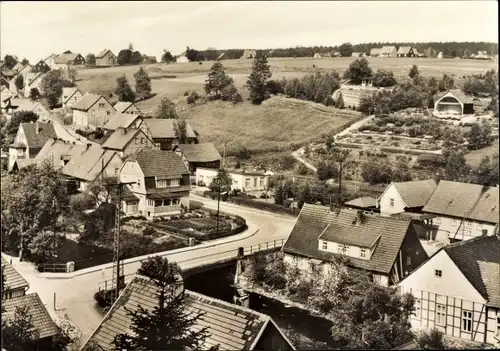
(416, 193)
(88, 164)
(464, 200)
(315, 221)
(205, 152)
(457, 93)
(479, 260)
(40, 317)
(121, 106)
(55, 150)
(13, 280)
(230, 326)
(165, 128)
(160, 163)
(36, 140)
(119, 119)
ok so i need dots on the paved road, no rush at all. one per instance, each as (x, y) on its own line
(74, 297)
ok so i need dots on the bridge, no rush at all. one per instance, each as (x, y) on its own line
(203, 263)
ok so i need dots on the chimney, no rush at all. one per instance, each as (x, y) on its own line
(37, 128)
(88, 145)
(359, 217)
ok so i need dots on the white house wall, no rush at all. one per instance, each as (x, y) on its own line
(448, 226)
(80, 118)
(385, 199)
(493, 326)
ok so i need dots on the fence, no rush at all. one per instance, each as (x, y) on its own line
(232, 254)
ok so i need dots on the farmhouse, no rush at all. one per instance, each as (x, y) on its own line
(15, 284)
(127, 141)
(386, 248)
(127, 107)
(42, 66)
(457, 291)
(198, 155)
(453, 102)
(411, 196)
(106, 58)
(182, 58)
(245, 181)
(463, 211)
(30, 139)
(249, 54)
(229, 327)
(66, 60)
(161, 186)
(387, 51)
(71, 96)
(92, 110)
(162, 132)
(375, 52)
(32, 81)
(407, 51)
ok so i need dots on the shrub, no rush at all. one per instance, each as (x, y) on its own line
(193, 96)
(148, 230)
(261, 205)
(286, 162)
(302, 169)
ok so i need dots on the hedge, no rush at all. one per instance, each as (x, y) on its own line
(263, 205)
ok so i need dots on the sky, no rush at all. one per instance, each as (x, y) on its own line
(37, 29)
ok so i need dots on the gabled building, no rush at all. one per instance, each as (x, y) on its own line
(126, 120)
(407, 51)
(386, 248)
(182, 58)
(57, 152)
(42, 66)
(457, 291)
(162, 182)
(388, 51)
(30, 139)
(199, 155)
(106, 58)
(229, 327)
(92, 109)
(5, 96)
(463, 211)
(33, 106)
(453, 102)
(71, 96)
(126, 141)
(250, 54)
(14, 283)
(317, 55)
(65, 61)
(163, 133)
(365, 203)
(127, 107)
(409, 196)
(32, 81)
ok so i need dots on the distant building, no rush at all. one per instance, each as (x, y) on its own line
(203, 155)
(68, 60)
(453, 102)
(42, 66)
(247, 181)
(36, 107)
(32, 81)
(182, 58)
(92, 109)
(388, 51)
(127, 107)
(410, 196)
(16, 285)
(357, 54)
(440, 55)
(126, 141)
(375, 52)
(317, 55)
(249, 54)
(162, 132)
(106, 58)
(71, 96)
(407, 51)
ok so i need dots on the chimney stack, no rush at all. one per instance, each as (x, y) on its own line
(359, 217)
(37, 128)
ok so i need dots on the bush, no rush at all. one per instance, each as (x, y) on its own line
(302, 169)
(193, 96)
(287, 162)
(262, 205)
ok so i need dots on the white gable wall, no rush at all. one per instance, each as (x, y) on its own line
(384, 201)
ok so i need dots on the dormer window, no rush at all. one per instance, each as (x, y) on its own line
(324, 245)
(163, 183)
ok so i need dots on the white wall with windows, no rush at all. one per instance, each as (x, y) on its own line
(348, 250)
(467, 230)
(390, 201)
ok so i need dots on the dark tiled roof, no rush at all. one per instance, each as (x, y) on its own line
(40, 317)
(460, 95)
(13, 280)
(229, 326)
(120, 138)
(314, 219)
(416, 193)
(120, 119)
(87, 101)
(164, 128)
(37, 140)
(364, 202)
(205, 152)
(160, 163)
(464, 200)
(479, 261)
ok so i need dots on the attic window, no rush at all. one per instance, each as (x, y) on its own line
(438, 273)
(102, 105)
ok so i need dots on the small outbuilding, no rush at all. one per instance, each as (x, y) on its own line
(453, 102)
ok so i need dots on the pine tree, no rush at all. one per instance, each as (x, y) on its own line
(181, 131)
(217, 80)
(123, 90)
(257, 80)
(414, 72)
(166, 110)
(339, 103)
(142, 84)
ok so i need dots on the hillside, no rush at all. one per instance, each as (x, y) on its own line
(274, 124)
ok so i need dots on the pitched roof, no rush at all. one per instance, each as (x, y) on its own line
(65, 58)
(69, 92)
(160, 163)
(365, 201)
(374, 51)
(120, 138)
(88, 100)
(121, 106)
(54, 150)
(36, 140)
(32, 76)
(404, 50)
(313, 220)
(205, 152)
(40, 317)
(464, 200)
(13, 280)
(120, 120)
(102, 53)
(89, 164)
(479, 260)
(165, 128)
(230, 326)
(416, 193)
(387, 49)
(458, 94)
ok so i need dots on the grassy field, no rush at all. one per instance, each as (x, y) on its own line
(270, 125)
(473, 158)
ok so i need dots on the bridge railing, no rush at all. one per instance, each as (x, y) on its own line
(208, 259)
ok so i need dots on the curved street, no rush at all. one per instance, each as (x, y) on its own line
(74, 296)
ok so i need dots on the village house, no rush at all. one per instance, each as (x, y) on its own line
(57, 152)
(127, 107)
(106, 58)
(182, 58)
(407, 51)
(162, 133)
(457, 291)
(229, 326)
(250, 54)
(126, 141)
(247, 181)
(203, 155)
(386, 248)
(126, 120)
(357, 54)
(374, 52)
(462, 210)
(29, 140)
(71, 96)
(32, 81)
(31, 106)
(92, 110)
(15, 284)
(401, 197)
(161, 185)
(65, 61)
(388, 51)
(42, 66)
(317, 55)
(50, 61)
(453, 102)
(5, 96)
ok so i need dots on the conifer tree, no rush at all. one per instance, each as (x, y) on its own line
(123, 90)
(257, 80)
(142, 84)
(217, 80)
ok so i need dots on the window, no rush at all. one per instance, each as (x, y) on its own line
(117, 170)
(102, 105)
(454, 222)
(498, 326)
(167, 202)
(343, 249)
(467, 321)
(174, 182)
(138, 183)
(132, 165)
(142, 140)
(136, 141)
(324, 245)
(92, 113)
(176, 201)
(247, 183)
(417, 309)
(158, 203)
(438, 273)
(262, 182)
(441, 315)
(391, 202)
(346, 249)
(161, 183)
(484, 232)
(362, 253)
(151, 203)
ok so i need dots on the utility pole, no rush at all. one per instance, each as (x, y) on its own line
(218, 202)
